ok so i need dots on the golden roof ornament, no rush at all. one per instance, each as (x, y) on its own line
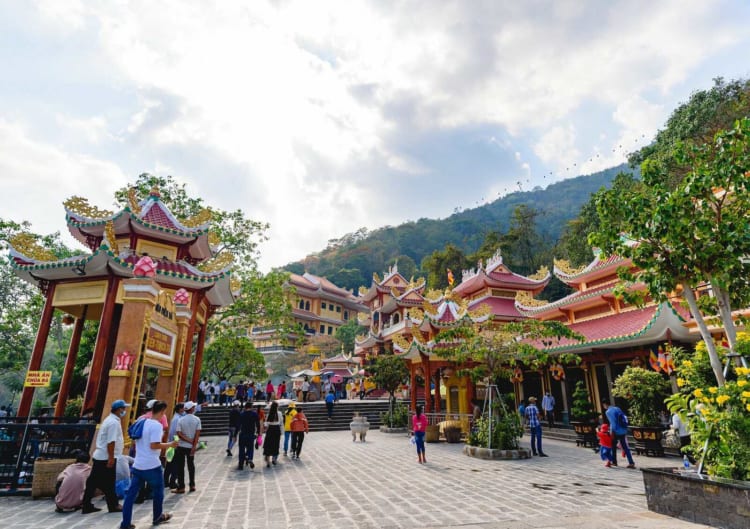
(154, 192)
(429, 309)
(199, 219)
(565, 267)
(376, 277)
(481, 311)
(80, 206)
(109, 235)
(26, 244)
(540, 274)
(525, 299)
(400, 341)
(363, 290)
(433, 295)
(219, 262)
(415, 315)
(133, 201)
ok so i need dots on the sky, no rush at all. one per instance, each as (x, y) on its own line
(323, 117)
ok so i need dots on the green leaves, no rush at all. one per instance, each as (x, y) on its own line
(389, 372)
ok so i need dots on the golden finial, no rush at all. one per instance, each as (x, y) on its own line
(363, 290)
(25, 244)
(564, 266)
(376, 277)
(81, 206)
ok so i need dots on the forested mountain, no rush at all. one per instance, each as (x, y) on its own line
(350, 261)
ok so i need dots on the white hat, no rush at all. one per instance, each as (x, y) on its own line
(236, 403)
(150, 404)
(189, 405)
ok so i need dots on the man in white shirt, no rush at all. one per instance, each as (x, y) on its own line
(548, 405)
(109, 446)
(147, 468)
(189, 432)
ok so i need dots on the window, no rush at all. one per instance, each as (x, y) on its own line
(330, 330)
(346, 315)
(307, 305)
(323, 305)
(338, 308)
(322, 329)
(302, 304)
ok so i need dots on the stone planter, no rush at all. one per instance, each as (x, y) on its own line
(359, 426)
(585, 434)
(648, 440)
(492, 453)
(432, 433)
(399, 429)
(689, 496)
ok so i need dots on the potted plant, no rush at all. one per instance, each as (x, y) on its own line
(584, 417)
(644, 392)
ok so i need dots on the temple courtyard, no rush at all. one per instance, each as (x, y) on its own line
(379, 484)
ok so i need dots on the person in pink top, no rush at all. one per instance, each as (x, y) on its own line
(269, 391)
(419, 426)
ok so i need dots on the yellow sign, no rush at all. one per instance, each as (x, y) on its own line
(37, 379)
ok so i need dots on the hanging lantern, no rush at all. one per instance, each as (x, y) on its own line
(68, 319)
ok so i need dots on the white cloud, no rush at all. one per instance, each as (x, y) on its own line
(37, 177)
(276, 107)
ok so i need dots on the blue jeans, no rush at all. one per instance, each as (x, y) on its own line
(232, 437)
(623, 440)
(247, 447)
(155, 478)
(536, 436)
(419, 440)
(287, 435)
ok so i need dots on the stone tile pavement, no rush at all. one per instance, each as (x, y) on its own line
(379, 484)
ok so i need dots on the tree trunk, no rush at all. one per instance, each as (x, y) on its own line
(689, 295)
(725, 311)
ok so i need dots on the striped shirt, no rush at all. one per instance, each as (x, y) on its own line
(532, 415)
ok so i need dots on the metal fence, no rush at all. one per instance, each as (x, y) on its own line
(21, 445)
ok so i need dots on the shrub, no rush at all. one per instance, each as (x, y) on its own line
(645, 392)
(582, 409)
(398, 419)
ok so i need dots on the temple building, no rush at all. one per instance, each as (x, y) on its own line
(615, 333)
(151, 280)
(404, 319)
(319, 307)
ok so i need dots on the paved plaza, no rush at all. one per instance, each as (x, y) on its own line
(379, 484)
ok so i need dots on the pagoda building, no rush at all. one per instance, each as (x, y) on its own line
(319, 307)
(616, 334)
(404, 319)
(152, 281)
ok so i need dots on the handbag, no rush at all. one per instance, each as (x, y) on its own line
(670, 439)
(258, 441)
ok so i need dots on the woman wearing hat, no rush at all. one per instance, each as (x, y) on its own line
(289, 414)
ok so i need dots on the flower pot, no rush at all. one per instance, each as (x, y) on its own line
(648, 440)
(432, 433)
(452, 434)
(585, 434)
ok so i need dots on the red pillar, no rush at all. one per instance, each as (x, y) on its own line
(437, 391)
(427, 381)
(197, 298)
(35, 362)
(70, 362)
(96, 373)
(198, 362)
(413, 386)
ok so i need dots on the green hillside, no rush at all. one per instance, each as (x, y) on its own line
(350, 261)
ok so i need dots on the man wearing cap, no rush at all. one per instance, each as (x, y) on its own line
(535, 427)
(189, 432)
(109, 445)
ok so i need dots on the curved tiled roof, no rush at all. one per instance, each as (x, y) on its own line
(567, 300)
(597, 264)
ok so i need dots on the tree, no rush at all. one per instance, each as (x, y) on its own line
(524, 250)
(493, 351)
(347, 333)
(389, 372)
(437, 264)
(228, 355)
(235, 233)
(687, 232)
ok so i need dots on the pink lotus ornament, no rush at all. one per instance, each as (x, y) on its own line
(145, 267)
(124, 361)
(181, 297)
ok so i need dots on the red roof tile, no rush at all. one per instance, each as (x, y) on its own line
(501, 307)
(156, 215)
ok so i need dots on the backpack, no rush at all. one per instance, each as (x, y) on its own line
(135, 430)
(622, 421)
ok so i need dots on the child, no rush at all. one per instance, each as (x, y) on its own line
(71, 483)
(605, 444)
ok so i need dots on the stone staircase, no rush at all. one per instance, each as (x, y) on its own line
(215, 419)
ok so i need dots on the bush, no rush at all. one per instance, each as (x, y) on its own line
(73, 407)
(582, 408)
(645, 392)
(506, 432)
(398, 419)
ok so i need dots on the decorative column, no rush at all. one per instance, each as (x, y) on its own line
(437, 390)
(198, 362)
(183, 315)
(188, 345)
(70, 362)
(35, 362)
(96, 371)
(427, 382)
